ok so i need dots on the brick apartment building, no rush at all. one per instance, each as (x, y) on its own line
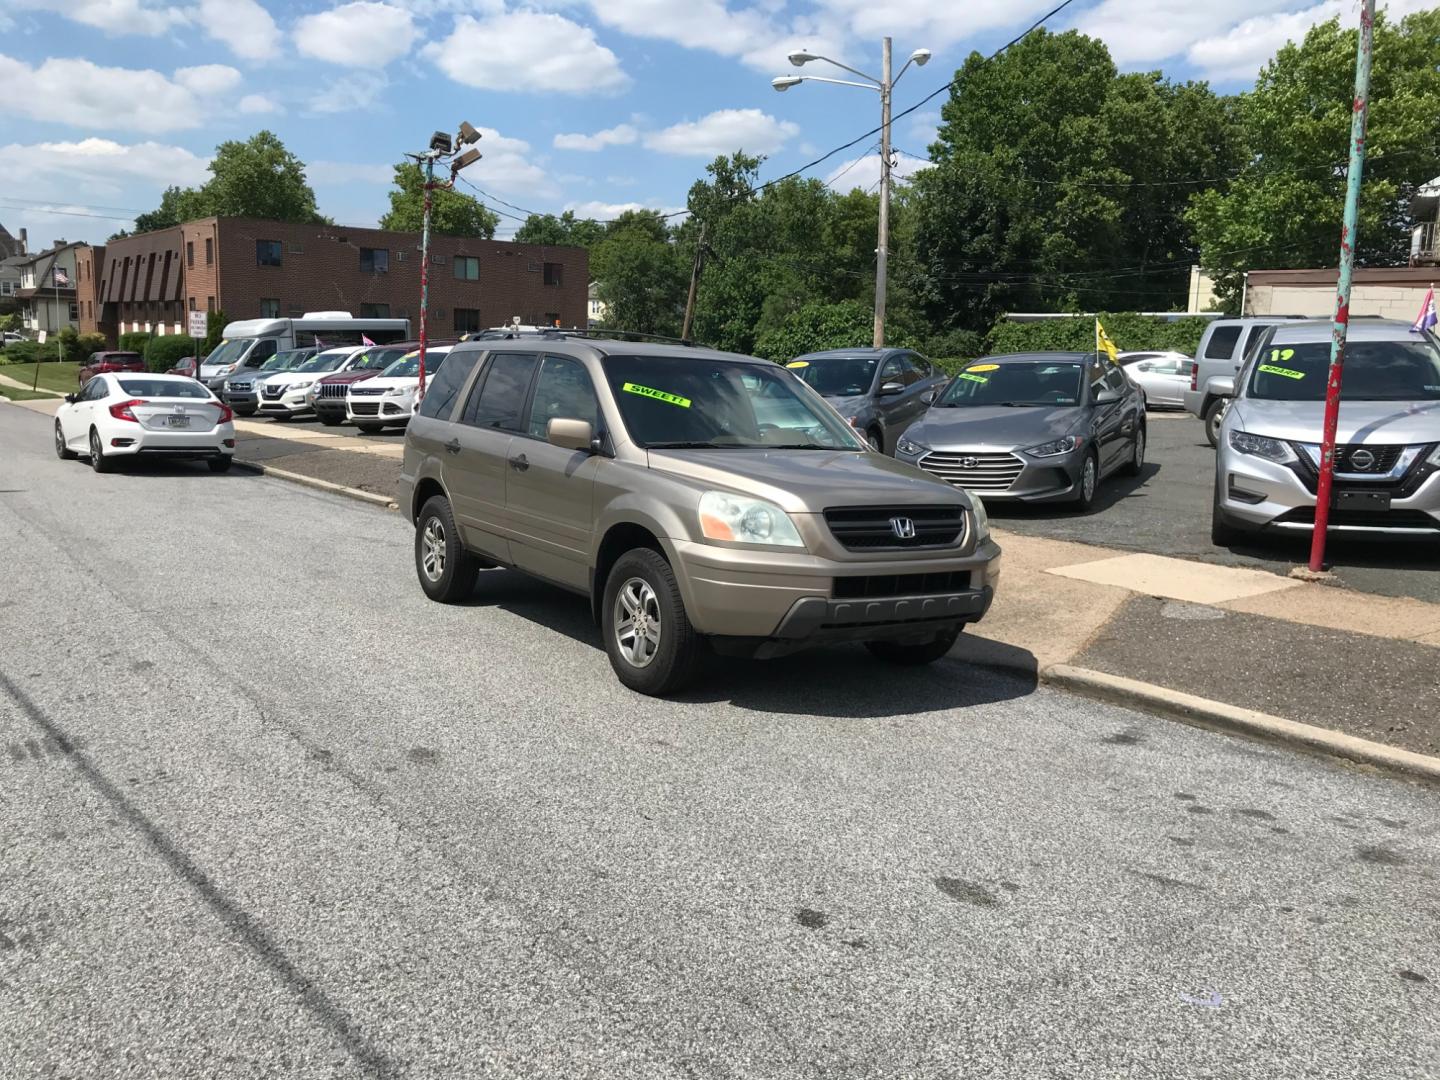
(253, 269)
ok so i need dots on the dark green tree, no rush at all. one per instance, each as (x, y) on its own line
(640, 274)
(452, 213)
(566, 229)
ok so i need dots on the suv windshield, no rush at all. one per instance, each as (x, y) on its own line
(988, 383)
(325, 361)
(378, 359)
(229, 352)
(1374, 371)
(286, 360)
(408, 366)
(837, 376)
(683, 402)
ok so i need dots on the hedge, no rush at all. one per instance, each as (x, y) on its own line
(135, 341)
(26, 352)
(162, 353)
(1131, 332)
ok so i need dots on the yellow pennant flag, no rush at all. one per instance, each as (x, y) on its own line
(1104, 344)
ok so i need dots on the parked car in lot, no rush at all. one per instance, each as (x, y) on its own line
(696, 497)
(1387, 453)
(1163, 377)
(1038, 427)
(388, 399)
(1219, 356)
(119, 415)
(112, 360)
(289, 393)
(880, 392)
(242, 392)
(187, 366)
(330, 391)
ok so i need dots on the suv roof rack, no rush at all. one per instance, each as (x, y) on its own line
(623, 335)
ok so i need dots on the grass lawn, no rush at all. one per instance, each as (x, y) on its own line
(53, 375)
(24, 395)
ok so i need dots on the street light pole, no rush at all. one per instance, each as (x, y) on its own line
(425, 269)
(882, 247)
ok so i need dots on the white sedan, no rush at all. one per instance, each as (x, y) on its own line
(389, 398)
(133, 414)
(1164, 376)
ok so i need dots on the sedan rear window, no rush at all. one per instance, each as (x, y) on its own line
(166, 388)
(1374, 371)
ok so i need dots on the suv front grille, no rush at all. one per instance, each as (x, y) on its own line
(271, 393)
(975, 471)
(366, 391)
(365, 408)
(877, 586)
(878, 528)
(332, 390)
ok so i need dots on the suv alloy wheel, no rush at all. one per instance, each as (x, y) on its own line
(446, 570)
(648, 637)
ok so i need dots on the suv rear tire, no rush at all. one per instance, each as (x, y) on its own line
(896, 652)
(1214, 414)
(445, 569)
(648, 636)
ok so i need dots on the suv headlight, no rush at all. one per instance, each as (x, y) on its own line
(1434, 458)
(1056, 447)
(746, 521)
(910, 447)
(398, 391)
(304, 384)
(1261, 446)
(982, 519)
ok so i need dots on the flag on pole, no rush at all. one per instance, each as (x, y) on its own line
(62, 279)
(1104, 344)
(366, 342)
(1427, 318)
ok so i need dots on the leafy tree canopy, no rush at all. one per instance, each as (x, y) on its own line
(566, 229)
(452, 213)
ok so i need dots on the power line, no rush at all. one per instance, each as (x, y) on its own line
(66, 213)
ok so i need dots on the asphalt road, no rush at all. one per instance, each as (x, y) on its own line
(269, 812)
(1166, 511)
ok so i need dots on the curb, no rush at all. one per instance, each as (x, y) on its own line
(382, 501)
(1231, 718)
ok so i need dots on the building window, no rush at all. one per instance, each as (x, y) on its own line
(74, 312)
(269, 308)
(551, 319)
(374, 260)
(297, 248)
(210, 250)
(210, 303)
(374, 311)
(466, 320)
(189, 252)
(467, 268)
(267, 252)
(554, 273)
(192, 304)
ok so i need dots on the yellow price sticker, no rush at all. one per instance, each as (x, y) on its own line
(983, 367)
(657, 395)
(1272, 369)
(798, 363)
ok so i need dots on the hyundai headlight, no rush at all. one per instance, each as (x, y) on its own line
(1261, 446)
(746, 521)
(1056, 447)
(910, 447)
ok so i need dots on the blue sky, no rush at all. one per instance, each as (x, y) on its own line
(595, 105)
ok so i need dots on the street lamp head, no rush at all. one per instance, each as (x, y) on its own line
(440, 142)
(784, 82)
(800, 58)
(920, 57)
(468, 134)
(468, 158)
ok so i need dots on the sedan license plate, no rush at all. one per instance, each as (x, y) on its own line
(1362, 500)
(178, 421)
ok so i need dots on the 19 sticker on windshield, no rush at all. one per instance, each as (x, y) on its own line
(657, 395)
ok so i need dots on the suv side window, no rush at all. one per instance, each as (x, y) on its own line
(1221, 345)
(499, 402)
(923, 369)
(441, 391)
(563, 390)
(893, 371)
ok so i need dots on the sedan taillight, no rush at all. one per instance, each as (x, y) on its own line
(122, 410)
(226, 413)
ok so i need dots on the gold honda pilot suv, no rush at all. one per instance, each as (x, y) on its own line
(698, 498)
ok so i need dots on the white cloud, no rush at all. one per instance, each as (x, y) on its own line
(864, 172)
(528, 51)
(242, 26)
(86, 95)
(724, 132)
(506, 166)
(361, 34)
(208, 79)
(96, 166)
(603, 211)
(358, 90)
(256, 104)
(113, 16)
(348, 172)
(1143, 33)
(620, 135)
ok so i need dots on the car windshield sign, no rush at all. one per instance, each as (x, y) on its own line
(1374, 371)
(672, 402)
(408, 366)
(989, 383)
(837, 376)
(378, 359)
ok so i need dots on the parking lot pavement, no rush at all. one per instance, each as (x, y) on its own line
(293, 819)
(1167, 511)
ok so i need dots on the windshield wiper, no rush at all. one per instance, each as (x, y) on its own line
(797, 446)
(687, 446)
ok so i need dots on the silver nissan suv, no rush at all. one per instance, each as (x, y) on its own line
(701, 500)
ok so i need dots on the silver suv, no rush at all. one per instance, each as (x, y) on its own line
(697, 498)
(1221, 352)
(1387, 453)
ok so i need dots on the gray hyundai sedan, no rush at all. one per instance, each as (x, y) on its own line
(1036, 427)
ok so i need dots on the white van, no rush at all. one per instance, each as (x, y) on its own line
(250, 342)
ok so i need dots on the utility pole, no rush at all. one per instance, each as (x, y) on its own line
(695, 268)
(1348, 237)
(882, 247)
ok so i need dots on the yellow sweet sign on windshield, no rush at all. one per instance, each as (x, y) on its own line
(983, 367)
(798, 363)
(657, 395)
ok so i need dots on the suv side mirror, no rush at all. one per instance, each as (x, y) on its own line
(1225, 386)
(570, 434)
(890, 389)
(70, 399)
(929, 396)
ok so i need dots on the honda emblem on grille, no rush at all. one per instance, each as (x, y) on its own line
(1362, 460)
(903, 528)
(969, 462)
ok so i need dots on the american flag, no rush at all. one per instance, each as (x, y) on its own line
(1427, 318)
(62, 279)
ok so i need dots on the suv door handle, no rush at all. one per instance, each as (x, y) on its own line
(453, 446)
(519, 464)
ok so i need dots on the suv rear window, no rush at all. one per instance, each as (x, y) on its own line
(1221, 345)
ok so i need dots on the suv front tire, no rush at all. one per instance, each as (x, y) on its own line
(648, 636)
(446, 570)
